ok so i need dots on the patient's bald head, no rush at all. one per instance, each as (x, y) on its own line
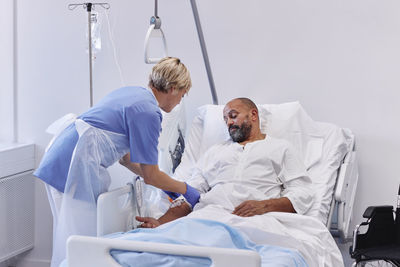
(247, 102)
(241, 118)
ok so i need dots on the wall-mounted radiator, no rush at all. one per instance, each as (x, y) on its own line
(16, 199)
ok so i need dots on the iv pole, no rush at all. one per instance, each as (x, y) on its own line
(89, 7)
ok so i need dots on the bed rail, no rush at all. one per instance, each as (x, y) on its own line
(116, 211)
(344, 195)
(85, 251)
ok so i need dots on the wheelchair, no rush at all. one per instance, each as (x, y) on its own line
(380, 244)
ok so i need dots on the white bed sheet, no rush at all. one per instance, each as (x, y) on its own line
(307, 235)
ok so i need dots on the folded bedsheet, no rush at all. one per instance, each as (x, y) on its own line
(199, 232)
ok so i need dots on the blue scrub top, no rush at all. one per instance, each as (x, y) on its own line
(131, 111)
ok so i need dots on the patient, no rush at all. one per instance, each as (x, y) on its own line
(251, 174)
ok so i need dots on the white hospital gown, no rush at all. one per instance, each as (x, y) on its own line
(231, 173)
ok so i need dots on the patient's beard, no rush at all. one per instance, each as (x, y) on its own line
(242, 133)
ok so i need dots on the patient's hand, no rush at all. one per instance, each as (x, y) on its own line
(148, 222)
(257, 207)
(250, 208)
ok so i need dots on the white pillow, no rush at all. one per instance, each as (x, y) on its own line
(287, 121)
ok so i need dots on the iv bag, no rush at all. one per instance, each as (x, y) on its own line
(95, 29)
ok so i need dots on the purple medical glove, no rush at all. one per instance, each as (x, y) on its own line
(172, 195)
(192, 195)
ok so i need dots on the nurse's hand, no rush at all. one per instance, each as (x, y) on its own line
(192, 195)
(147, 222)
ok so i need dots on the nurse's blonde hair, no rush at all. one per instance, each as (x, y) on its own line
(170, 72)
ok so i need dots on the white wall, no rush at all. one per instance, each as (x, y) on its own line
(340, 58)
(7, 71)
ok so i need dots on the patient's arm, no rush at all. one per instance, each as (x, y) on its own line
(257, 207)
(171, 214)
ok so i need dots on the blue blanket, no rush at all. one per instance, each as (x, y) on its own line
(199, 232)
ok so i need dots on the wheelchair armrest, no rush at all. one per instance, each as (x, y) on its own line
(355, 234)
(370, 211)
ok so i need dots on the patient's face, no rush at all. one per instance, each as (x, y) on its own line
(240, 133)
(237, 120)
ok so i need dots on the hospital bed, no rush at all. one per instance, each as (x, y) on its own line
(327, 150)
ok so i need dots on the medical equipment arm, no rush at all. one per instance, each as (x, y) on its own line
(257, 207)
(172, 213)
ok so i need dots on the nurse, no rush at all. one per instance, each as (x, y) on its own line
(124, 125)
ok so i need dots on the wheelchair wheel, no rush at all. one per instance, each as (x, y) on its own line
(375, 263)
